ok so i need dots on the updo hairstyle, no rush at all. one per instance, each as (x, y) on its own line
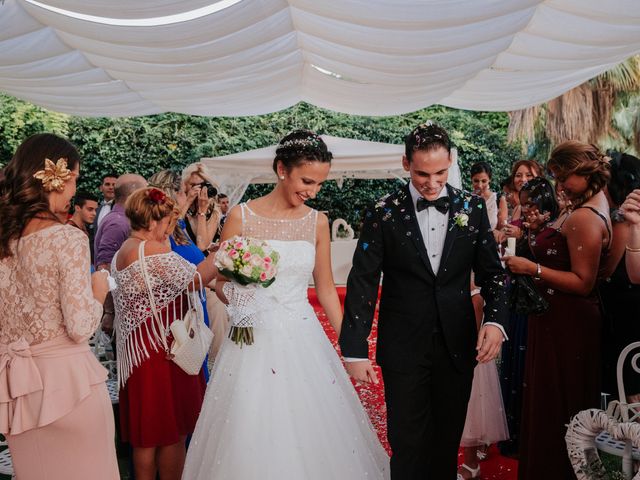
(147, 204)
(582, 159)
(300, 146)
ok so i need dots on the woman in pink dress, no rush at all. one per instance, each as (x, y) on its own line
(55, 410)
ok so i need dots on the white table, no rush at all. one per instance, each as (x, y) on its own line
(341, 257)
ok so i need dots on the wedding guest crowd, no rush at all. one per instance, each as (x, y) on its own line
(577, 225)
(562, 363)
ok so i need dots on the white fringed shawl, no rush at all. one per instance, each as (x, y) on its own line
(170, 276)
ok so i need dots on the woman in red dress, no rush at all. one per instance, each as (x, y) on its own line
(159, 402)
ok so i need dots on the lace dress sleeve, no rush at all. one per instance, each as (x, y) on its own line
(81, 312)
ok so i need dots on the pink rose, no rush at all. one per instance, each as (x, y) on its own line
(263, 276)
(239, 245)
(234, 254)
(246, 256)
(224, 245)
(267, 260)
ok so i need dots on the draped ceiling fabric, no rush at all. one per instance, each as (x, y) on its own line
(368, 57)
(351, 159)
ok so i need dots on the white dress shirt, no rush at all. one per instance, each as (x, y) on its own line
(433, 227)
(104, 210)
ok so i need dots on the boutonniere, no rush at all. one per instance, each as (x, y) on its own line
(461, 217)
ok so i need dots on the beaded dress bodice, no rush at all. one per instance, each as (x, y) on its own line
(294, 239)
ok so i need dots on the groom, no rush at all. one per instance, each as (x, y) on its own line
(426, 238)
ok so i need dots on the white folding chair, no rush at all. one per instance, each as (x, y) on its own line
(6, 466)
(625, 413)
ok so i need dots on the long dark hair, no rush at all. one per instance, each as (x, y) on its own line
(22, 197)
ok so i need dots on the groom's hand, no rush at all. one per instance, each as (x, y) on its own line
(490, 340)
(362, 371)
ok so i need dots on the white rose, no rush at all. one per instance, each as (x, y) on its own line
(227, 262)
(246, 270)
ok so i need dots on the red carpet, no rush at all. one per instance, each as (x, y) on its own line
(495, 467)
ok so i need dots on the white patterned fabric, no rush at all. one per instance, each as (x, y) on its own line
(378, 57)
(284, 406)
(169, 275)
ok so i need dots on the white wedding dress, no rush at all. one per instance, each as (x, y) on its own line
(284, 407)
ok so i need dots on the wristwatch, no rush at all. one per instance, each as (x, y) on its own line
(538, 275)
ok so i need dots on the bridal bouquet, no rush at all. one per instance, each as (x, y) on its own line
(250, 263)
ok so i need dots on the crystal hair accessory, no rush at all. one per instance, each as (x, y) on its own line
(54, 175)
(311, 142)
(157, 196)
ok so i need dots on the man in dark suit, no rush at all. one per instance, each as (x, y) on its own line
(426, 238)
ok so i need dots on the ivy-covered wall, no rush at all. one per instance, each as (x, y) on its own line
(148, 144)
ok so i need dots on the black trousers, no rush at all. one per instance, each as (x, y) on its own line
(426, 412)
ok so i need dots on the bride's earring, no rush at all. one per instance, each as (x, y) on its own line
(281, 177)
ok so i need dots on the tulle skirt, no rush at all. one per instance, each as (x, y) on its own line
(486, 421)
(283, 408)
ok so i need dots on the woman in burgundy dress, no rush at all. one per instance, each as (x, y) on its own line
(562, 374)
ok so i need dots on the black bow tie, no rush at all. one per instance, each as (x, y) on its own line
(441, 204)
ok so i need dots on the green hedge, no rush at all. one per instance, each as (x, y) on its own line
(148, 144)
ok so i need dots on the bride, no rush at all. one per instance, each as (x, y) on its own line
(283, 407)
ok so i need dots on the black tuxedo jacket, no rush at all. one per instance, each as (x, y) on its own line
(416, 301)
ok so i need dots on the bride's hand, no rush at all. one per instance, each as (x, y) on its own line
(362, 371)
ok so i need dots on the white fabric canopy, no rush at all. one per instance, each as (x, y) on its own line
(351, 159)
(369, 57)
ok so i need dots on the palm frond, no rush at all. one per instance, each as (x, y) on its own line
(522, 125)
(624, 77)
(570, 116)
